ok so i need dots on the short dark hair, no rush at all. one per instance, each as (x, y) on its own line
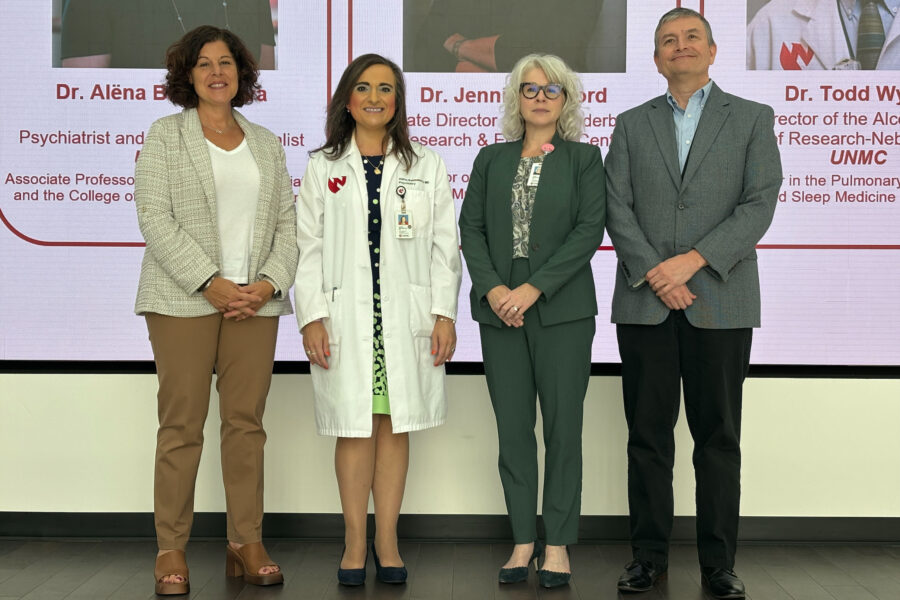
(678, 13)
(181, 58)
(339, 123)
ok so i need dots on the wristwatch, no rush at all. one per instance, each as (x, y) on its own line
(207, 283)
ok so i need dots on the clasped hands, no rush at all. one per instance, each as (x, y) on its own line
(235, 301)
(510, 305)
(669, 279)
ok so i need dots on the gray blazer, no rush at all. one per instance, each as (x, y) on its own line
(722, 206)
(176, 206)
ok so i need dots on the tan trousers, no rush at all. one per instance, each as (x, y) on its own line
(185, 351)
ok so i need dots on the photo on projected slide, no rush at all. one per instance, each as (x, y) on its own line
(135, 34)
(816, 35)
(486, 36)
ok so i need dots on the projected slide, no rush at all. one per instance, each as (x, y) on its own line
(84, 84)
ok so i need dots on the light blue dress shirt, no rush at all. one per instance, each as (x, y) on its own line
(686, 120)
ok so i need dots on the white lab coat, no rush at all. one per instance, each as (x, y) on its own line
(420, 278)
(783, 32)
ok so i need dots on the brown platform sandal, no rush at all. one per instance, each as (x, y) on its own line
(171, 563)
(247, 561)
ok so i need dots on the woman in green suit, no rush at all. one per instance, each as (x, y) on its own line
(532, 218)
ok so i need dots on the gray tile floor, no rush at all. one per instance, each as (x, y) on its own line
(97, 569)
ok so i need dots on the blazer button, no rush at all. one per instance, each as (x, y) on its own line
(681, 207)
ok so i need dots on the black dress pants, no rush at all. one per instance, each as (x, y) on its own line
(711, 364)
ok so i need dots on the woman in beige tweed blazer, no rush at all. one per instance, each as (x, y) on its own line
(216, 208)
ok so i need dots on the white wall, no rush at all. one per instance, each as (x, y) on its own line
(85, 443)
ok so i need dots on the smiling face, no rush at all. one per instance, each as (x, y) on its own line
(215, 76)
(539, 111)
(373, 99)
(684, 52)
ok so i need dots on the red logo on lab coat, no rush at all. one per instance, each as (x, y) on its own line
(791, 57)
(336, 183)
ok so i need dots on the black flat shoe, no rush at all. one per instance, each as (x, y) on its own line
(640, 576)
(388, 574)
(722, 583)
(351, 577)
(520, 574)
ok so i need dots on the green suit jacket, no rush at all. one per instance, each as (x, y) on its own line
(566, 228)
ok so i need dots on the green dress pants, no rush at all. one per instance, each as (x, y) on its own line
(553, 364)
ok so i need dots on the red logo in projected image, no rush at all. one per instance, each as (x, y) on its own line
(336, 183)
(791, 57)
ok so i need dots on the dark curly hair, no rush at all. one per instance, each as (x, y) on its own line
(181, 58)
(339, 123)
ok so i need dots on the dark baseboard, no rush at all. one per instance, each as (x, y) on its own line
(455, 528)
(128, 367)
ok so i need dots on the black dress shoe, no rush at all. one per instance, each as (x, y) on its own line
(722, 583)
(640, 576)
(388, 574)
(351, 577)
(519, 574)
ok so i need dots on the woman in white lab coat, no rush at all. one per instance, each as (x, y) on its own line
(377, 288)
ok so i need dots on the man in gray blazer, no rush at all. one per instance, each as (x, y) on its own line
(692, 182)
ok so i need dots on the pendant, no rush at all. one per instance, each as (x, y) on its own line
(377, 171)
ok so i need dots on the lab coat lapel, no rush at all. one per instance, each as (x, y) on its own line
(823, 33)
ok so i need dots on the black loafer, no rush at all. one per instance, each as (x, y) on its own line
(388, 574)
(722, 584)
(520, 574)
(640, 576)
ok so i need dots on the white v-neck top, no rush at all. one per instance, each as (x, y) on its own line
(237, 193)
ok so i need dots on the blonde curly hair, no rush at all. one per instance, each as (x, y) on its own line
(571, 120)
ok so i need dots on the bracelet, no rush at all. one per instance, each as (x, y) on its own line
(443, 319)
(208, 282)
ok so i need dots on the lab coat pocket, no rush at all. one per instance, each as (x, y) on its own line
(421, 204)
(333, 321)
(325, 381)
(421, 321)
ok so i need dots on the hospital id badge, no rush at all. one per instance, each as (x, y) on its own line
(403, 225)
(535, 175)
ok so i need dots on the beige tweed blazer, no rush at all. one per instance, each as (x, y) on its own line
(176, 207)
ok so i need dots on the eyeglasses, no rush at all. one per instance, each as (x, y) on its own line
(552, 91)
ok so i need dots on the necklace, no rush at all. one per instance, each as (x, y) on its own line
(181, 21)
(376, 167)
(219, 131)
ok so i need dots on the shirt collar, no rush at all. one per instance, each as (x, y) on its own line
(701, 95)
